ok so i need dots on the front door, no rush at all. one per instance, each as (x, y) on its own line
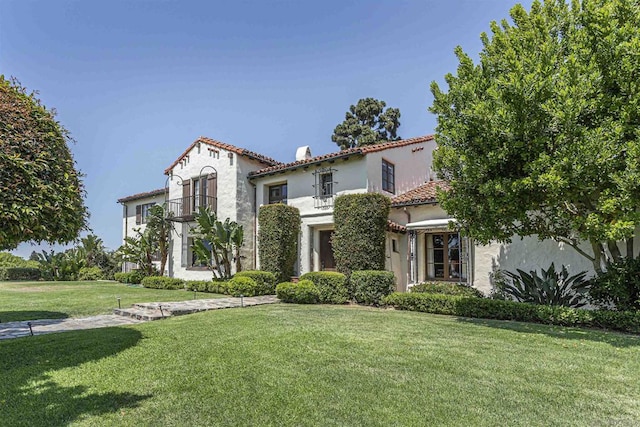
(326, 251)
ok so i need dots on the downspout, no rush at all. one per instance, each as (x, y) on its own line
(255, 225)
(409, 248)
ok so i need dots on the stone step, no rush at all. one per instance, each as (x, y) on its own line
(141, 313)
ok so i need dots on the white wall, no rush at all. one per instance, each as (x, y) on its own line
(129, 225)
(235, 201)
(412, 167)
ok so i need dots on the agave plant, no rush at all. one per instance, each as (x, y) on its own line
(548, 288)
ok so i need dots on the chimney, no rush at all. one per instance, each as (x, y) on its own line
(303, 153)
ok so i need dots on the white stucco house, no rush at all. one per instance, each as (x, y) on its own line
(135, 211)
(420, 245)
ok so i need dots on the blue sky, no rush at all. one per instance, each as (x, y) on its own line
(137, 81)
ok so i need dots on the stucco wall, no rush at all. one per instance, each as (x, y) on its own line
(235, 201)
(412, 167)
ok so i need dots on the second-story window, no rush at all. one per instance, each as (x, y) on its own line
(278, 193)
(388, 176)
(142, 213)
(325, 188)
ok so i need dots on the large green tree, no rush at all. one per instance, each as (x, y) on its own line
(367, 123)
(542, 136)
(41, 191)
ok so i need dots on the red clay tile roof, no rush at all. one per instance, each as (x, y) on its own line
(360, 151)
(395, 227)
(152, 193)
(423, 194)
(239, 151)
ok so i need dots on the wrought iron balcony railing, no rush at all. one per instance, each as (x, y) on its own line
(184, 208)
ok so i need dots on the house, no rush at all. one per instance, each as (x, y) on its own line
(422, 242)
(135, 211)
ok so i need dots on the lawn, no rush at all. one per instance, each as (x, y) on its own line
(58, 300)
(291, 365)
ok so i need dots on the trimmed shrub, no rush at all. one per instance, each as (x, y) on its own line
(245, 286)
(370, 286)
(197, 285)
(265, 280)
(619, 286)
(162, 282)
(446, 288)
(19, 273)
(302, 292)
(90, 273)
(333, 287)
(278, 239)
(360, 229)
(485, 308)
(132, 277)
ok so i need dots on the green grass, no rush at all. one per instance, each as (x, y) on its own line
(59, 300)
(289, 365)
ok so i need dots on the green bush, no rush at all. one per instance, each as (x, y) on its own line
(619, 286)
(245, 286)
(333, 287)
(446, 288)
(360, 231)
(197, 285)
(132, 277)
(162, 282)
(19, 273)
(302, 292)
(485, 308)
(265, 280)
(90, 273)
(278, 239)
(370, 286)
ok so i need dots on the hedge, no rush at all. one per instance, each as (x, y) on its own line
(370, 286)
(265, 280)
(484, 308)
(19, 273)
(133, 277)
(90, 273)
(360, 231)
(162, 282)
(244, 286)
(302, 292)
(278, 239)
(333, 287)
(446, 288)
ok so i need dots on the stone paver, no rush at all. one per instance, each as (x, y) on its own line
(137, 314)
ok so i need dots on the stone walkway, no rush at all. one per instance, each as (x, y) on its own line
(137, 314)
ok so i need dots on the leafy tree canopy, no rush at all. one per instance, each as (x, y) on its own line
(542, 136)
(42, 193)
(367, 123)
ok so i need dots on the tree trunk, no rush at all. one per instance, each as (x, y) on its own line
(614, 250)
(630, 247)
(598, 255)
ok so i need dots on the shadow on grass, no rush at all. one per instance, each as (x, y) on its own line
(18, 316)
(29, 395)
(615, 339)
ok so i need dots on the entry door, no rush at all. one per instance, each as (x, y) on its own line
(326, 251)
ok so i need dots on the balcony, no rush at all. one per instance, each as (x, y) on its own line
(183, 209)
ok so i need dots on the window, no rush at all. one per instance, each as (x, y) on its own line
(278, 194)
(445, 254)
(394, 245)
(388, 177)
(142, 213)
(194, 260)
(326, 185)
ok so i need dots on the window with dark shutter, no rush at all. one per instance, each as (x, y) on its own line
(186, 198)
(212, 192)
(138, 214)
